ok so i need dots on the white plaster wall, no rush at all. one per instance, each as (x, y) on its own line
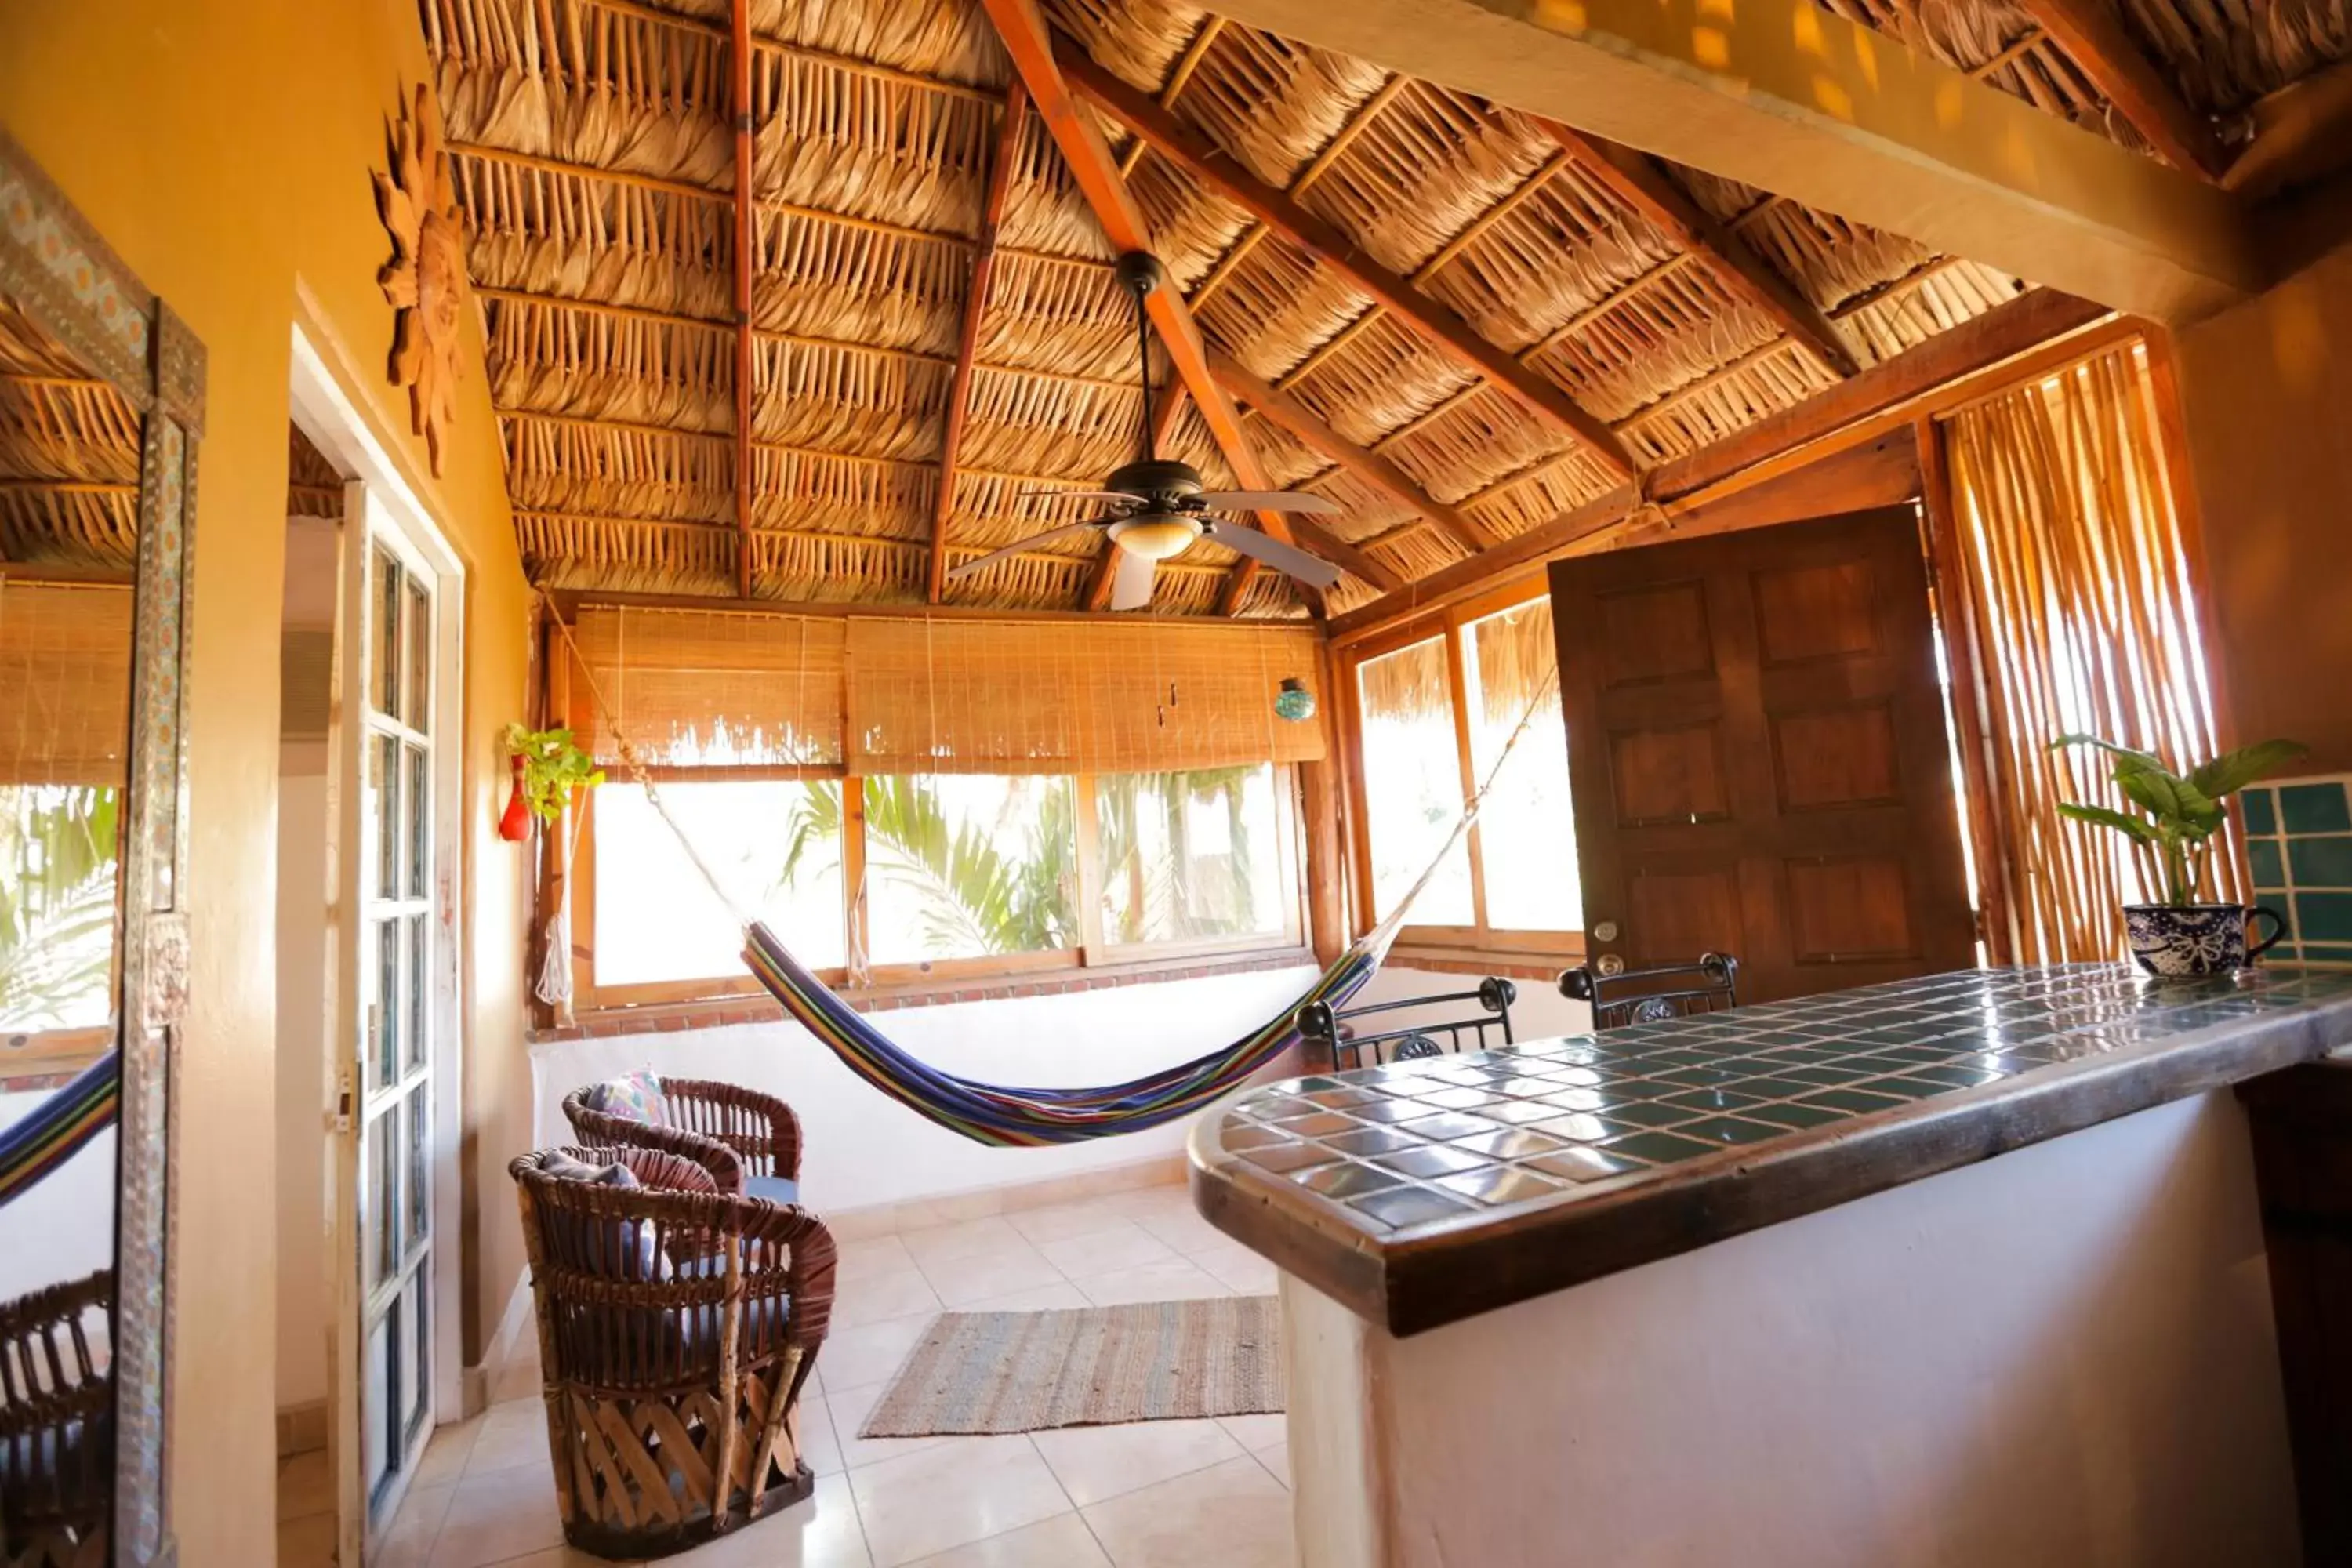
(1540, 1012)
(302, 1134)
(63, 1229)
(2061, 1357)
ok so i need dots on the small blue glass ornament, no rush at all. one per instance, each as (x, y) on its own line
(1294, 701)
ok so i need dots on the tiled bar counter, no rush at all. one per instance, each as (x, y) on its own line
(1752, 1288)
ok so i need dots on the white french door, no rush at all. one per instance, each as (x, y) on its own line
(398, 972)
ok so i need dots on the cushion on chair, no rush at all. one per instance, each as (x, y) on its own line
(636, 1096)
(780, 1190)
(563, 1167)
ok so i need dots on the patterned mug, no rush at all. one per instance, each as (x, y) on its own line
(2180, 940)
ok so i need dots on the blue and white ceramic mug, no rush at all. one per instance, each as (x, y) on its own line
(2180, 940)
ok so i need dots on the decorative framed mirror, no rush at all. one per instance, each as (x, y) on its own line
(102, 411)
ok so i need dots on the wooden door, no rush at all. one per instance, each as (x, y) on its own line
(1756, 730)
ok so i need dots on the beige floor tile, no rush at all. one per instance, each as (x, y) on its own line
(854, 1357)
(814, 1422)
(1007, 1267)
(513, 1435)
(305, 1485)
(964, 1240)
(1240, 1269)
(1276, 1461)
(1097, 1463)
(560, 1557)
(1061, 1220)
(1044, 1299)
(1102, 1252)
(1175, 1281)
(862, 1298)
(1184, 1231)
(1234, 1515)
(409, 1543)
(1257, 1433)
(924, 1503)
(1062, 1541)
(306, 1543)
(821, 1533)
(446, 1451)
(873, 1254)
(496, 1515)
(518, 1379)
(849, 1408)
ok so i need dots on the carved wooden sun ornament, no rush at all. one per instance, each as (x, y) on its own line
(426, 279)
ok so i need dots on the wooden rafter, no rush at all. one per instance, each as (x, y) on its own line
(1643, 186)
(1371, 468)
(1785, 96)
(1279, 211)
(975, 305)
(2093, 36)
(1080, 138)
(747, 241)
(2302, 132)
(1883, 392)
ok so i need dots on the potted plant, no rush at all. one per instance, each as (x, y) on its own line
(2172, 846)
(548, 766)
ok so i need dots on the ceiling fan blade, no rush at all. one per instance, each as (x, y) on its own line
(1022, 546)
(1131, 589)
(1271, 551)
(1132, 499)
(1268, 501)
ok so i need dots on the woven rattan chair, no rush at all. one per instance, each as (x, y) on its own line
(759, 1130)
(677, 1324)
(56, 1426)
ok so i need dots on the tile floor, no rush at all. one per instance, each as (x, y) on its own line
(1153, 1495)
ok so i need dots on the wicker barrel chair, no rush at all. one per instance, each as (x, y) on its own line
(759, 1130)
(56, 1426)
(677, 1324)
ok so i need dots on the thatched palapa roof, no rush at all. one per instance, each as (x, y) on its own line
(1455, 319)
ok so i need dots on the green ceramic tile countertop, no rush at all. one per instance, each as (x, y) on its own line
(1423, 1192)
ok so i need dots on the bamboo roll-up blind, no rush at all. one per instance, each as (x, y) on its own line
(1031, 697)
(711, 687)
(2077, 583)
(65, 683)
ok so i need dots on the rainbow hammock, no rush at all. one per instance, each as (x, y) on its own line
(32, 1148)
(1019, 1118)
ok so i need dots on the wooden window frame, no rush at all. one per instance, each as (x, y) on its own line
(1092, 951)
(1447, 622)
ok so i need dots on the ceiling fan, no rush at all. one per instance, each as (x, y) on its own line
(1159, 506)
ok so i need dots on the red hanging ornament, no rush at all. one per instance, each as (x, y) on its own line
(514, 826)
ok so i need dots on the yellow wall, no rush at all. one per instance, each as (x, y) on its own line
(223, 147)
(2266, 389)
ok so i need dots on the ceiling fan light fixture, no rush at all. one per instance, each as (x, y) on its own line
(1155, 536)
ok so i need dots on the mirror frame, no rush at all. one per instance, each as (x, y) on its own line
(54, 263)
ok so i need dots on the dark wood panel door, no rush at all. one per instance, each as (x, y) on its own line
(1756, 733)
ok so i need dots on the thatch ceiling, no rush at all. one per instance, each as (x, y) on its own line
(592, 158)
(68, 456)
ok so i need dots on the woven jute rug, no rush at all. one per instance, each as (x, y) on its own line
(1024, 1371)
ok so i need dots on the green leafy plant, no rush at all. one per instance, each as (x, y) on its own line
(553, 766)
(2173, 844)
(57, 905)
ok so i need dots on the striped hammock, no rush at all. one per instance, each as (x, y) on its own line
(37, 1145)
(1019, 1118)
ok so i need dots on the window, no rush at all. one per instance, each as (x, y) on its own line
(1436, 704)
(970, 866)
(57, 906)
(776, 845)
(1189, 857)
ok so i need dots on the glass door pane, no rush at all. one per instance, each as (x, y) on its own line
(1413, 782)
(1528, 831)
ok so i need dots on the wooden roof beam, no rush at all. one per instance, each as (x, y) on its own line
(975, 305)
(1080, 138)
(1785, 96)
(2093, 36)
(1280, 212)
(2299, 133)
(747, 245)
(1643, 186)
(1371, 468)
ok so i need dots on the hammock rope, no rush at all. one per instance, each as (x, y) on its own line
(36, 1147)
(1023, 1117)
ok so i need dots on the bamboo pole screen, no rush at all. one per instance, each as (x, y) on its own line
(879, 696)
(65, 683)
(2076, 582)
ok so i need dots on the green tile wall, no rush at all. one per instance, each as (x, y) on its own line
(2299, 846)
